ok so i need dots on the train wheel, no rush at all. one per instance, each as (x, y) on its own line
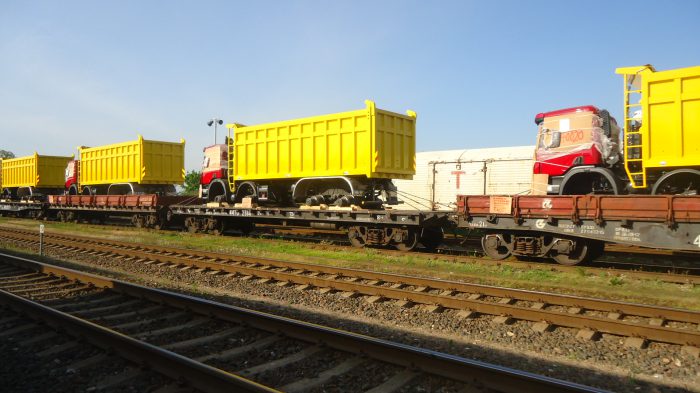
(191, 224)
(138, 221)
(582, 251)
(357, 236)
(431, 238)
(219, 228)
(497, 246)
(409, 242)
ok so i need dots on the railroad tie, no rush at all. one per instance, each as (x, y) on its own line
(396, 382)
(349, 294)
(203, 340)
(237, 351)
(129, 314)
(279, 363)
(94, 310)
(323, 377)
(103, 299)
(144, 322)
(113, 381)
(403, 303)
(433, 308)
(14, 273)
(657, 321)
(588, 334)
(465, 314)
(691, 350)
(88, 362)
(39, 338)
(636, 342)
(575, 310)
(503, 319)
(374, 299)
(18, 329)
(9, 319)
(542, 327)
(56, 349)
(170, 329)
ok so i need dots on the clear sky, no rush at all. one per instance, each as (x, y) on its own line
(96, 72)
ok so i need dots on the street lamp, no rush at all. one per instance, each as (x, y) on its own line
(216, 122)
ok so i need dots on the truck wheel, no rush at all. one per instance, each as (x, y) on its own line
(245, 190)
(678, 182)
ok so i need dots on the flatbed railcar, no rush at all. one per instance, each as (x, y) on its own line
(573, 229)
(402, 229)
(144, 210)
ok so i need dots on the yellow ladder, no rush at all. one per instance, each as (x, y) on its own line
(230, 170)
(634, 144)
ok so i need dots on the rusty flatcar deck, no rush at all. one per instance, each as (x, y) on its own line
(659, 221)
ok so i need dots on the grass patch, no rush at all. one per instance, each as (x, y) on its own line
(577, 282)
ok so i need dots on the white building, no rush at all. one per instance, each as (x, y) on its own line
(442, 175)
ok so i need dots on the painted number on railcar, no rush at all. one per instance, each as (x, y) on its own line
(547, 203)
(697, 241)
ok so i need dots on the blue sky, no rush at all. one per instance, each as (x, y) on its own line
(96, 72)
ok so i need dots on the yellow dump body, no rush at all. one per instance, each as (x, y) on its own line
(34, 171)
(669, 135)
(140, 161)
(368, 142)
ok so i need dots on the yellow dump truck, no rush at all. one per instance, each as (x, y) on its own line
(662, 129)
(342, 159)
(134, 167)
(580, 150)
(33, 175)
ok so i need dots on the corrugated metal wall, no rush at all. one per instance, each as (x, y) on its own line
(442, 175)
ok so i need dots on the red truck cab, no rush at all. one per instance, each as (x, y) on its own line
(577, 150)
(214, 181)
(72, 173)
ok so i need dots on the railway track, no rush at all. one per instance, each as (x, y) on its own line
(681, 269)
(216, 347)
(612, 264)
(37, 355)
(682, 275)
(637, 323)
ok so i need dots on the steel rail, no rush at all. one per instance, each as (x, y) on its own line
(448, 366)
(214, 262)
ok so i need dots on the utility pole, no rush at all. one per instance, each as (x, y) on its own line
(215, 122)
